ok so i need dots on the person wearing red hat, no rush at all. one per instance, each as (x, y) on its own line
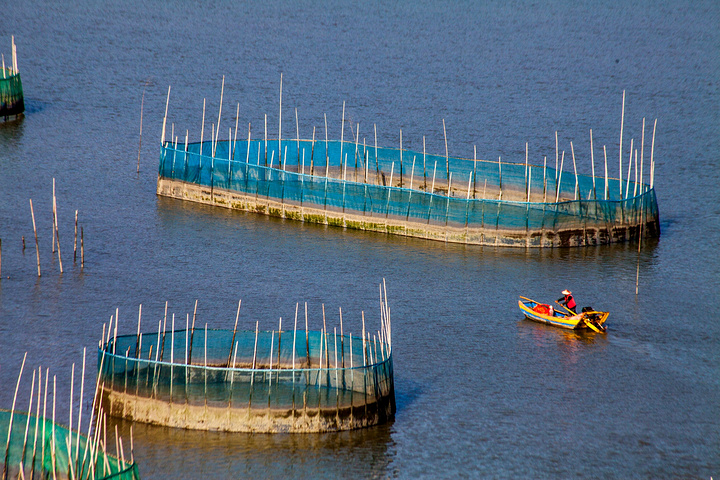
(567, 300)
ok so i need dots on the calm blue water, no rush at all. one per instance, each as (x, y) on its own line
(480, 391)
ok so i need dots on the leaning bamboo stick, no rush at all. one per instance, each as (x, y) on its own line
(237, 317)
(37, 248)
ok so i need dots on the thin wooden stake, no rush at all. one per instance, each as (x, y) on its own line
(447, 158)
(167, 103)
(652, 161)
(592, 162)
(75, 241)
(142, 106)
(57, 233)
(37, 248)
(237, 317)
(622, 124)
(82, 250)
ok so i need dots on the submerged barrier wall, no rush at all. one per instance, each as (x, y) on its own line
(410, 193)
(43, 449)
(248, 381)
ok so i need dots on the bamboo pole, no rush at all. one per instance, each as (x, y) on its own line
(447, 157)
(266, 140)
(636, 176)
(424, 159)
(37, 248)
(627, 187)
(272, 342)
(44, 416)
(500, 177)
(280, 160)
(192, 334)
(279, 340)
(401, 160)
(237, 121)
(254, 364)
(607, 187)
(142, 106)
(312, 153)
(297, 138)
(27, 416)
(202, 137)
(82, 393)
(162, 346)
(592, 163)
(327, 155)
(52, 444)
(545, 179)
(172, 355)
(342, 342)
(137, 337)
(557, 157)
(557, 193)
(642, 152)
(217, 133)
(37, 424)
(342, 135)
(70, 425)
(307, 338)
(377, 165)
(357, 141)
(297, 305)
(652, 159)
(526, 168)
(622, 124)
(75, 241)
(82, 250)
(572, 149)
(237, 317)
(324, 338)
(57, 233)
(167, 104)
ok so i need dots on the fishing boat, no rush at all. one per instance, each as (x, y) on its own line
(545, 313)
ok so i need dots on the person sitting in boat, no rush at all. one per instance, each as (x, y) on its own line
(568, 300)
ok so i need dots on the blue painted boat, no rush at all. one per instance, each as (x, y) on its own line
(545, 313)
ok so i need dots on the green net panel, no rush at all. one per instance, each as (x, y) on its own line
(11, 93)
(50, 451)
(202, 379)
(410, 193)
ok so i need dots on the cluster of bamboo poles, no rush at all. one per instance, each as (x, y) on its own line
(472, 175)
(82, 461)
(14, 68)
(376, 347)
(55, 237)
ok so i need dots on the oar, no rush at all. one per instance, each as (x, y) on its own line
(569, 312)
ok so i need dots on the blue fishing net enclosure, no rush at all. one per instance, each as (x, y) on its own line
(255, 381)
(412, 193)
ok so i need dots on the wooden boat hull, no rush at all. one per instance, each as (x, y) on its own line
(584, 320)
